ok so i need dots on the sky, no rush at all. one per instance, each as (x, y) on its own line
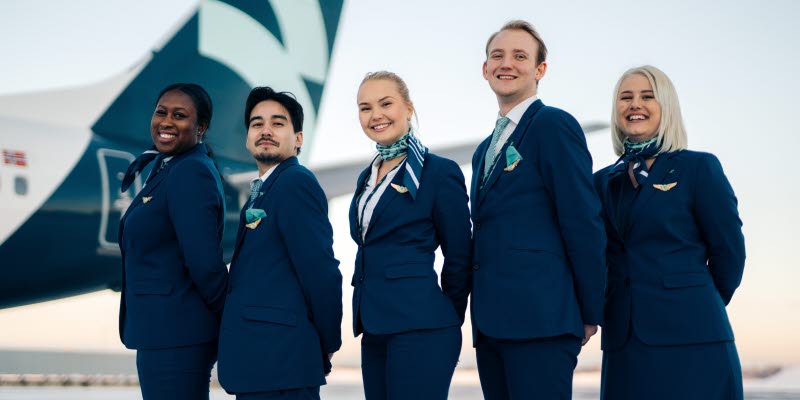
(733, 64)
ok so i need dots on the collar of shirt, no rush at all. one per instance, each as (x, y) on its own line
(365, 208)
(265, 176)
(518, 111)
(515, 115)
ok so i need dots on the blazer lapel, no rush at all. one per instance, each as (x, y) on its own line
(242, 232)
(515, 139)
(608, 205)
(146, 190)
(362, 180)
(389, 194)
(658, 173)
(477, 172)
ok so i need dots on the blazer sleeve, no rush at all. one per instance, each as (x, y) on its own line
(196, 210)
(306, 231)
(715, 210)
(453, 231)
(565, 165)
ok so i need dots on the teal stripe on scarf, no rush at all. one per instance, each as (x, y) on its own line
(408, 144)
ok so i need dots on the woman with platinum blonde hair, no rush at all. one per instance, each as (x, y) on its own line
(675, 254)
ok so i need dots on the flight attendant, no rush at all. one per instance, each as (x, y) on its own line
(174, 279)
(407, 203)
(675, 254)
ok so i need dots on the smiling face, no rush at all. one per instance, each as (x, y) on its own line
(384, 114)
(174, 128)
(511, 68)
(270, 135)
(638, 112)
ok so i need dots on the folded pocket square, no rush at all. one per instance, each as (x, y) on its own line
(145, 199)
(665, 187)
(512, 158)
(254, 216)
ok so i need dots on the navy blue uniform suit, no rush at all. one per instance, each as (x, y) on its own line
(284, 308)
(174, 277)
(411, 325)
(538, 257)
(672, 268)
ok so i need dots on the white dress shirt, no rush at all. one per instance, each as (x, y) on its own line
(366, 216)
(514, 115)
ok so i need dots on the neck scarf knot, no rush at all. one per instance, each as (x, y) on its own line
(638, 153)
(138, 165)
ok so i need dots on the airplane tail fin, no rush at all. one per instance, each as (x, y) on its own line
(228, 47)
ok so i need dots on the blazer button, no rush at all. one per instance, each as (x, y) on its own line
(477, 226)
(361, 279)
(230, 289)
(476, 267)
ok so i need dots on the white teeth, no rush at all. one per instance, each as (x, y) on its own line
(166, 135)
(379, 127)
(505, 77)
(633, 117)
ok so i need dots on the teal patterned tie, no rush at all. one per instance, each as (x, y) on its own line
(490, 156)
(254, 192)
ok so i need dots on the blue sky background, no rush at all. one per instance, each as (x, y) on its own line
(734, 64)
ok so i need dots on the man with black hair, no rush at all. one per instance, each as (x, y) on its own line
(283, 314)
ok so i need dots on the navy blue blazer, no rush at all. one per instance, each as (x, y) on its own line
(173, 275)
(538, 238)
(283, 313)
(677, 265)
(396, 287)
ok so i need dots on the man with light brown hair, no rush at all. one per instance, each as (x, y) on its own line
(538, 240)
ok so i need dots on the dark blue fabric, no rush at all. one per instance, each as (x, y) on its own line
(527, 369)
(176, 372)
(174, 279)
(137, 166)
(671, 274)
(311, 393)
(396, 288)
(705, 371)
(538, 238)
(411, 365)
(284, 309)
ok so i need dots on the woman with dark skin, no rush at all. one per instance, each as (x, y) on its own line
(174, 277)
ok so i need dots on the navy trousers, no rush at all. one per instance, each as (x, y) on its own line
(310, 393)
(527, 369)
(176, 372)
(704, 371)
(416, 365)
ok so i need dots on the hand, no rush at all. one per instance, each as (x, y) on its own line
(330, 358)
(589, 331)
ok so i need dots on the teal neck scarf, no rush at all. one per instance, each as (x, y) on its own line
(638, 153)
(396, 149)
(408, 144)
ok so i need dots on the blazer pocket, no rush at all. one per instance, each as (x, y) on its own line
(689, 279)
(270, 314)
(409, 270)
(162, 288)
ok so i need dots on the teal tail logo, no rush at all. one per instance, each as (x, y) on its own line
(229, 47)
